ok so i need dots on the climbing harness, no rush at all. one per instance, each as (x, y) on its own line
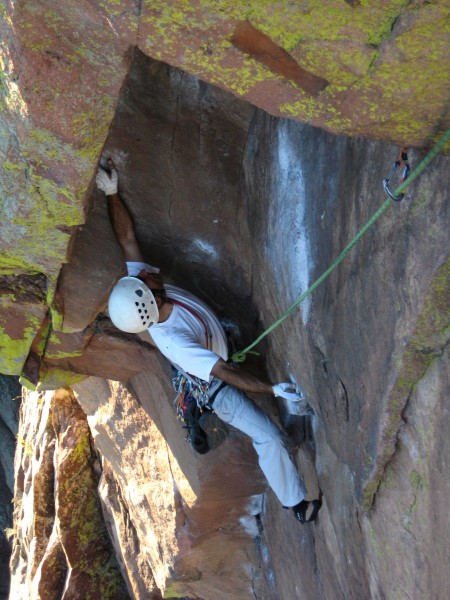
(194, 402)
(190, 399)
(192, 395)
(402, 161)
(240, 356)
(195, 397)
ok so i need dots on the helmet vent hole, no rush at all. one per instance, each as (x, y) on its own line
(139, 293)
(136, 303)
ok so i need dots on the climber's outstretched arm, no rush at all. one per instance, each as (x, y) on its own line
(123, 226)
(240, 378)
(121, 219)
(247, 382)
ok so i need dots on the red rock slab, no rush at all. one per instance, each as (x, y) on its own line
(259, 46)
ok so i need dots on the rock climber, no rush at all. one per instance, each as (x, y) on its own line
(191, 337)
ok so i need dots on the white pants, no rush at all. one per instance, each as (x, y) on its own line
(234, 407)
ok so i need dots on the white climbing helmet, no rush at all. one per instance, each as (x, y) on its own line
(132, 306)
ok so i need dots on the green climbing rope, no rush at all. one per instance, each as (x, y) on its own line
(241, 355)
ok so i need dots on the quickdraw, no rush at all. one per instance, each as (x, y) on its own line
(402, 161)
(189, 390)
(189, 405)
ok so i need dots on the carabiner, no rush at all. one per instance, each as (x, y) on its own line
(403, 160)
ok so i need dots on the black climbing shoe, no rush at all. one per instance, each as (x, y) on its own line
(215, 429)
(305, 511)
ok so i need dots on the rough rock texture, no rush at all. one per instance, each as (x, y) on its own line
(415, 485)
(10, 396)
(176, 517)
(377, 69)
(360, 351)
(53, 123)
(23, 315)
(61, 548)
(246, 210)
(368, 53)
(377, 57)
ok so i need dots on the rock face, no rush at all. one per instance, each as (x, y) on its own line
(61, 548)
(246, 210)
(356, 68)
(180, 519)
(372, 69)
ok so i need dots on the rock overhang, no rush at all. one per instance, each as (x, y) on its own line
(60, 89)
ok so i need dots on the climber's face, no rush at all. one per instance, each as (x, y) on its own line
(151, 280)
(154, 282)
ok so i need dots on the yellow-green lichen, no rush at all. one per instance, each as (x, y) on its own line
(371, 50)
(92, 128)
(418, 485)
(80, 517)
(174, 590)
(26, 383)
(26, 446)
(416, 480)
(13, 352)
(32, 206)
(52, 378)
(113, 7)
(55, 355)
(308, 107)
(375, 543)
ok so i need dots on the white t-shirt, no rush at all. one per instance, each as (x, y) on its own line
(192, 337)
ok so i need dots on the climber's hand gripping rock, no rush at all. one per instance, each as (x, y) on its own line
(107, 182)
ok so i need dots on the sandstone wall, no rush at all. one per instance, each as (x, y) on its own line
(61, 548)
(358, 68)
(368, 348)
(246, 210)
